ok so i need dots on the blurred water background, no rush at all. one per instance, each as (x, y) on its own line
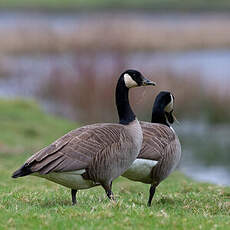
(69, 58)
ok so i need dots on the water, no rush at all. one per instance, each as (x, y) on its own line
(211, 65)
(205, 151)
(31, 71)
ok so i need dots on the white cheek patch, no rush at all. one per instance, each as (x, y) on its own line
(129, 82)
(169, 107)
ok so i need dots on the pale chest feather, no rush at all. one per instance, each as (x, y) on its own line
(140, 170)
(73, 180)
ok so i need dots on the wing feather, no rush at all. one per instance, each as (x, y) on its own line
(156, 138)
(76, 149)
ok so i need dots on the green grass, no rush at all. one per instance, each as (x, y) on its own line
(34, 203)
(128, 4)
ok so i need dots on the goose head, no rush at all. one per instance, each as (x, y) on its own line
(133, 78)
(128, 79)
(168, 99)
(163, 108)
(169, 109)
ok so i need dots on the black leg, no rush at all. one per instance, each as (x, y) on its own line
(108, 190)
(73, 193)
(110, 194)
(151, 194)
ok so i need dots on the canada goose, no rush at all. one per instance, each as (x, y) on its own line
(94, 154)
(161, 149)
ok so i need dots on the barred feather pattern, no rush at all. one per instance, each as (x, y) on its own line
(104, 150)
(116, 158)
(160, 143)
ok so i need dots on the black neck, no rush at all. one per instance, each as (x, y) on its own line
(158, 115)
(125, 112)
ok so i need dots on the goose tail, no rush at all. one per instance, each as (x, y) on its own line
(23, 171)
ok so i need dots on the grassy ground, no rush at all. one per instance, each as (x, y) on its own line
(128, 4)
(34, 203)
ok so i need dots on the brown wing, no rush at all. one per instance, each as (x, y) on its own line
(171, 156)
(75, 150)
(155, 139)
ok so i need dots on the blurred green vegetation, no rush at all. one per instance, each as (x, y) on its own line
(128, 4)
(35, 203)
(25, 127)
